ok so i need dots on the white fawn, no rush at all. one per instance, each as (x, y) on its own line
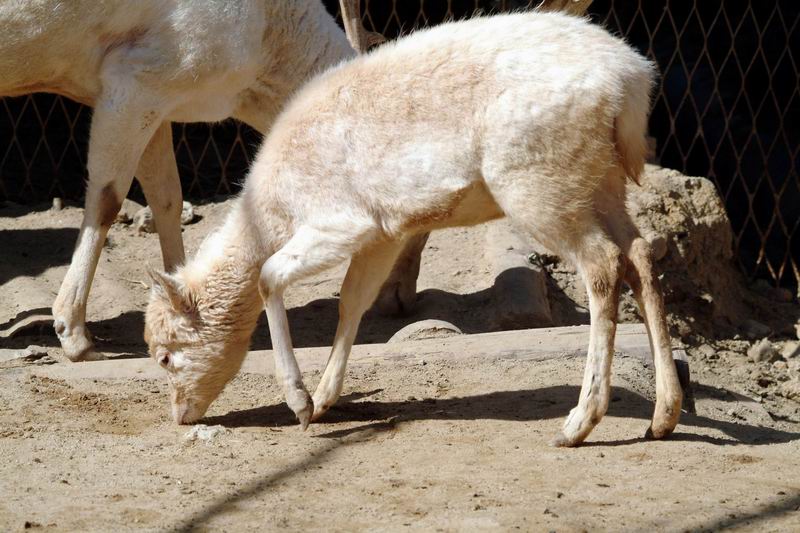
(538, 117)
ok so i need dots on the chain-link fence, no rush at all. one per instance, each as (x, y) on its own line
(727, 107)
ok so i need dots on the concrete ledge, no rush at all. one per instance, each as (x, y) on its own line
(531, 344)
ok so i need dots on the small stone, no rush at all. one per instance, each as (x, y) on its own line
(143, 221)
(763, 350)
(790, 350)
(780, 365)
(58, 204)
(426, 329)
(204, 433)
(791, 389)
(127, 211)
(187, 213)
(707, 351)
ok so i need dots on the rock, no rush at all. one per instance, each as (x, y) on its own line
(520, 286)
(790, 349)
(763, 350)
(791, 389)
(127, 211)
(690, 217)
(143, 221)
(707, 351)
(32, 354)
(58, 204)
(755, 329)
(187, 213)
(426, 329)
(204, 433)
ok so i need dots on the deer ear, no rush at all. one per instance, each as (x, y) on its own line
(172, 289)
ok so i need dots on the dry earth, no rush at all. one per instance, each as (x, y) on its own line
(455, 441)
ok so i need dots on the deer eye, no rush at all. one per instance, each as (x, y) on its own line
(163, 357)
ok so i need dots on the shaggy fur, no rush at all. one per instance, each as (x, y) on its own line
(538, 117)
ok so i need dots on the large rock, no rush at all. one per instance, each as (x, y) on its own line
(688, 214)
(425, 329)
(520, 286)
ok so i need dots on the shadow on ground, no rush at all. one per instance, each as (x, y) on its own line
(29, 252)
(520, 405)
(377, 417)
(313, 324)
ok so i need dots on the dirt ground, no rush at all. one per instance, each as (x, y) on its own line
(458, 442)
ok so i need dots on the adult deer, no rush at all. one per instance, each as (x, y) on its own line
(143, 65)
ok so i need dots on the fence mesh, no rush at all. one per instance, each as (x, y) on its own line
(727, 106)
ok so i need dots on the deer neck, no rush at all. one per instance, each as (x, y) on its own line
(302, 39)
(225, 274)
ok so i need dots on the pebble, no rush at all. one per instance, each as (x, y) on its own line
(144, 222)
(58, 204)
(763, 350)
(204, 433)
(707, 351)
(791, 349)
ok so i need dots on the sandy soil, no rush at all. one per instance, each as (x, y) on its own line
(438, 446)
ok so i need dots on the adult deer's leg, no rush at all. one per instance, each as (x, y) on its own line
(367, 271)
(309, 251)
(125, 118)
(399, 292)
(647, 290)
(602, 265)
(158, 175)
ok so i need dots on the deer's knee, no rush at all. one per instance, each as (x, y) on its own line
(108, 206)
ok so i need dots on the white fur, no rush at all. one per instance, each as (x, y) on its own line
(538, 117)
(142, 64)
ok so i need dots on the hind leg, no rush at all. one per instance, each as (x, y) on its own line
(647, 290)
(602, 266)
(368, 270)
(158, 175)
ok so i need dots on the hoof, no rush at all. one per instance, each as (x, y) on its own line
(304, 417)
(561, 441)
(76, 344)
(657, 434)
(301, 405)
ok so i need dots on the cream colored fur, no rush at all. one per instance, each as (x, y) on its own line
(143, 64)
(538, 117)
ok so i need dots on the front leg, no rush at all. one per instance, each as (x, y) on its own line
(286, 368)
(309, 251)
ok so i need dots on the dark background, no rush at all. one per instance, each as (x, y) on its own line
(727, 107)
